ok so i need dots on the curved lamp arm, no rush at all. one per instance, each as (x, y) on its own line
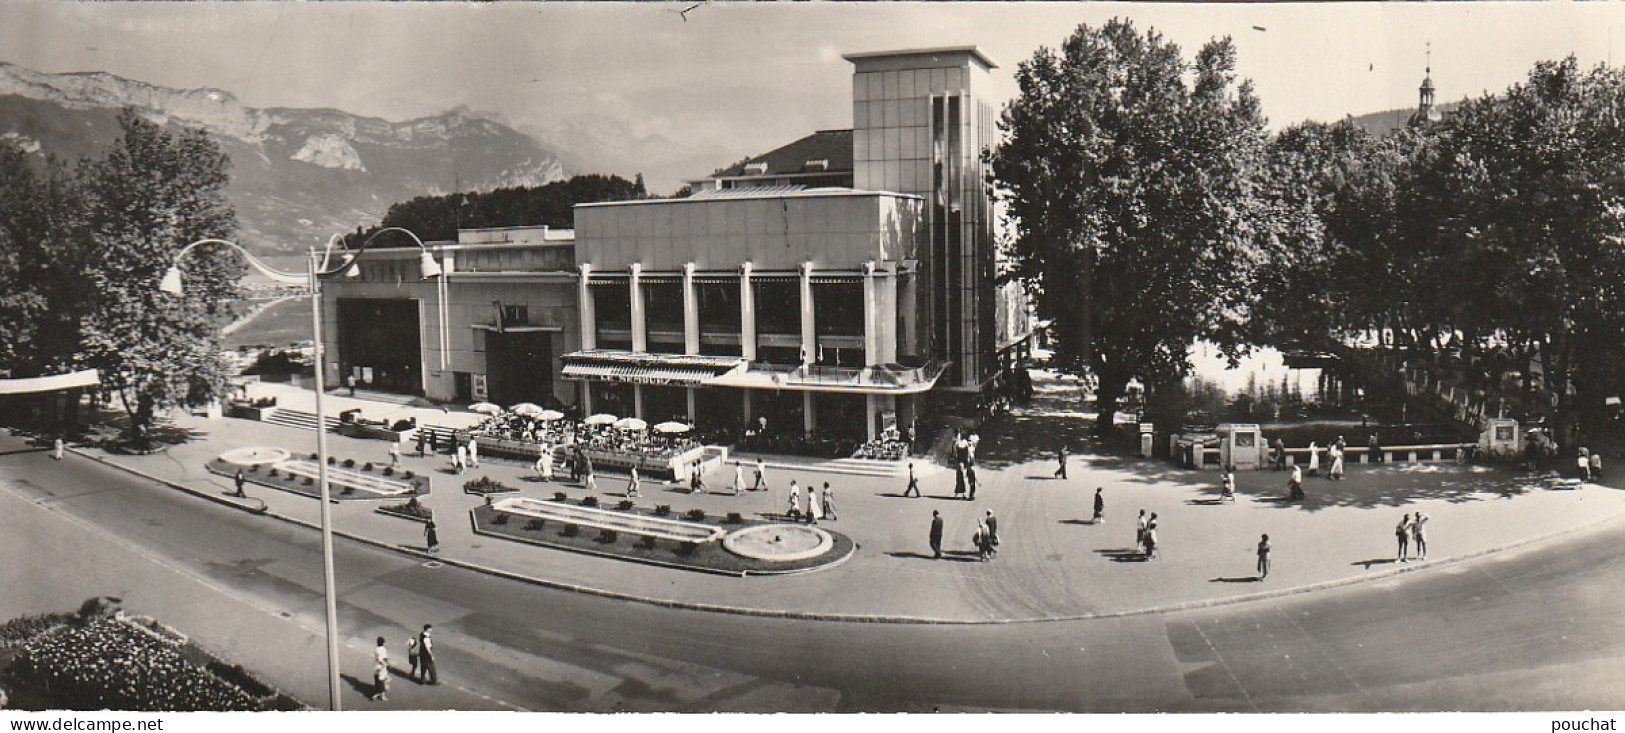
(427, 267)
(172, 277)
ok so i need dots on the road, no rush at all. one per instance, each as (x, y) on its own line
(1535, 629)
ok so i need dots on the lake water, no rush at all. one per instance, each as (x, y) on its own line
(1265, 366)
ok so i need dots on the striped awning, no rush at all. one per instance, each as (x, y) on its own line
(684, 377)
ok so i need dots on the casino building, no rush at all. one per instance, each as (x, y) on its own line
(843, 282)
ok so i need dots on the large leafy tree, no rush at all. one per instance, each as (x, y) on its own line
(552, 204)
(1134, 185)
(151, 194)
(42, 293)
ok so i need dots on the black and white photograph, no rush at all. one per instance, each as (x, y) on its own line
(820, 358)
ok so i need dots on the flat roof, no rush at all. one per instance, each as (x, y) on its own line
(745, 192)
(973, 51)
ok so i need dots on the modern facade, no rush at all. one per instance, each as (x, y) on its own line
(842, 283)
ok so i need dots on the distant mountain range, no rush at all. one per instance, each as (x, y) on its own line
(298, 175)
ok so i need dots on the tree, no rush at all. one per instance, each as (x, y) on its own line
(1136, 201)
(151, 194)
(553, 205)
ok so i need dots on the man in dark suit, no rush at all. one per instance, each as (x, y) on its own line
(936, 533)
(426, 657)
(992, 532)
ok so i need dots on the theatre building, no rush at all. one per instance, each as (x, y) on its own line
(841, 283)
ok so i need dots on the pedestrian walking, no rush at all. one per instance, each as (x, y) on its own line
(57, 448)
(1227, 488)
(1139, 532)
(1278, 460)
(380, 671)
(1596, 465)
(1294, 485)
(1264, 557)
(1151, 551)
(1314, 459)
(992, 533)
(413, 659)
(936, 533)
(1373, 450)
(431, 676)
(793, 511)
(544, 463)
(815, 508)
(633, 483)
(239, 480)
(1100, 507)
(696, 482)
(979, 539)
(1060, 460)
(1336, 471)
(913, 483)
(739, 479)
(394, 455)
(1419, 536)
(761, 477)
(970, 481)
(1402, 533)
(829, 502)
(1583, 460)
(970, 455)
(959, 480)
(460, 459)
(473, 452)
(423, 441)
(431, 536)
(588, 479)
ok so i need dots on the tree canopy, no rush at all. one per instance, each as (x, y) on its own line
(552, 205)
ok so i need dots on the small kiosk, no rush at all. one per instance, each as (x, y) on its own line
(1241, 446)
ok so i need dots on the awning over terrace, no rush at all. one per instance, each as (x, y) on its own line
(609, 365)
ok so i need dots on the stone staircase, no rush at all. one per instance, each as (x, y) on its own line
(842, 466)
(290, 418)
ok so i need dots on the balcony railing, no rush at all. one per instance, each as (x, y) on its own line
(895, 376)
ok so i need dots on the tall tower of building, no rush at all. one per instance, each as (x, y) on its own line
(1425, 111)
(920, 121)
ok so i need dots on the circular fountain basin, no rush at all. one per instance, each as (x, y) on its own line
(778, 542)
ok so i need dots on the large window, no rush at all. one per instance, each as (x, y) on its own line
(778, 306)
(719, 307)
(838, 309)
(663, 306)
(612, 307)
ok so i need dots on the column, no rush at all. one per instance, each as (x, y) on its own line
(637, 401)
(809, 418)
(871, 414)
(584, 307)
(809, 336)
(586, 398)
(691, 320)
(871, 330)
(746, 407)
(691, 411)
(640, 325)
(747, 322)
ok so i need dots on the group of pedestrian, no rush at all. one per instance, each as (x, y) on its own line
(467, 455)
(1145, 535)
(820, 504)
(419, 653)
(964, 466)
(985, 538)
(1590, 464)
(1412, 531)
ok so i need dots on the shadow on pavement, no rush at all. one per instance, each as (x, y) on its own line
(1123, 554)
(1375, 561)
(1243, 579)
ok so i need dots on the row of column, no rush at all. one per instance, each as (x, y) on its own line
(877, 348)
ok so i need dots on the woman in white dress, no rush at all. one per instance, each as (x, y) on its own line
(794, 509)
(814, 510)
(1314, 459)
(544, 464)
(739, 479)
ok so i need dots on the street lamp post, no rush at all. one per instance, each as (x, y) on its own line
(316, 272)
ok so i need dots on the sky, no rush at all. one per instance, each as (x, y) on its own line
(740, 78)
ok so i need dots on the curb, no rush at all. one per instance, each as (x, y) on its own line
(858, 617)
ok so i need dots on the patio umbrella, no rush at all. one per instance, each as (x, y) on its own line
(630, 423)
(526, 408)
(549, 415)
(672, 427)
(486, 408)
(599, 419)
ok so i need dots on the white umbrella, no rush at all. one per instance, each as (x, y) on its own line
(672, 427)
(525, 408)
(630, 423)
(486, 408)
(549, 415)
(599, 419)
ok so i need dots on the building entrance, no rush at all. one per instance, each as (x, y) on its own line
(380, 340)
(519, 367)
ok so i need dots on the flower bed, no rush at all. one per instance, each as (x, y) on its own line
(410, 509)
(108, 663)
(298, 475)
(484, 486)
(19, 631)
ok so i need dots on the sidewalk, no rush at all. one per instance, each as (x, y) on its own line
(1052, 562)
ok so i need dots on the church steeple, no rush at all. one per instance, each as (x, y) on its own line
(1425, 111)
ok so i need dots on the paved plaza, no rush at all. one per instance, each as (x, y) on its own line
(1052, 561)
